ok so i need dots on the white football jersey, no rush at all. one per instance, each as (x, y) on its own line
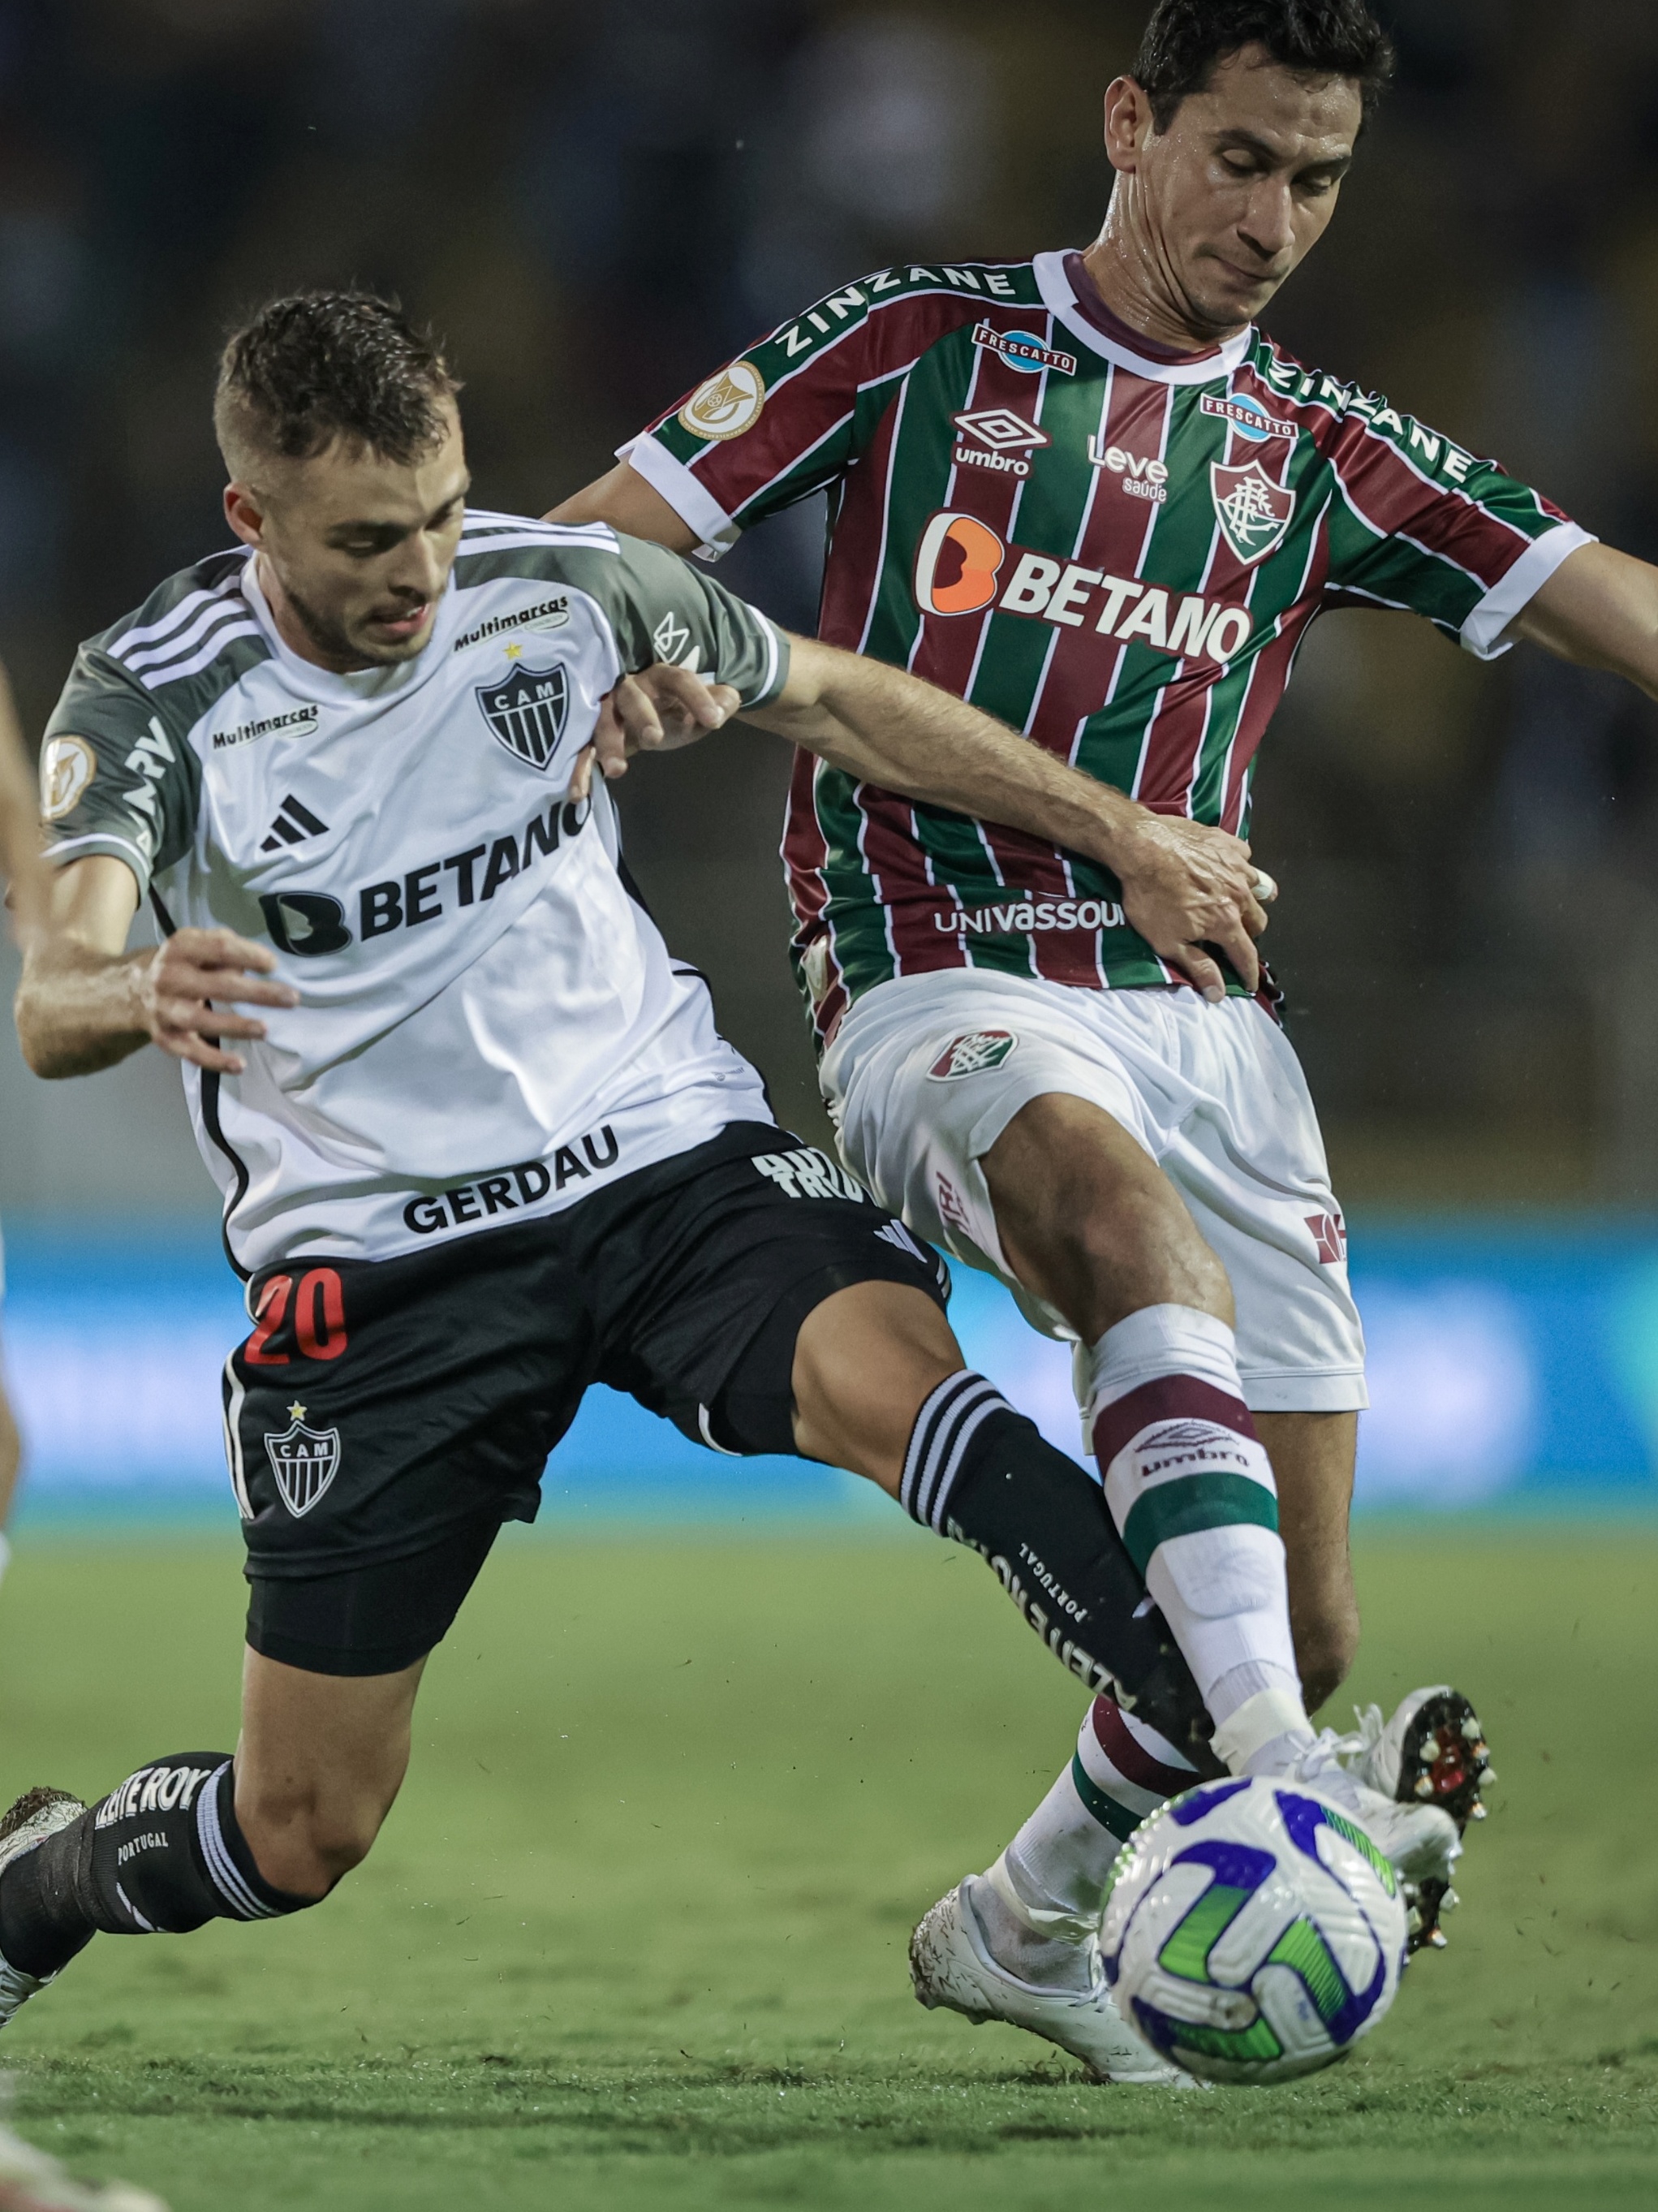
(490, 1026)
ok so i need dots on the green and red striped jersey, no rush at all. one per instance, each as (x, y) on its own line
(1119, 553)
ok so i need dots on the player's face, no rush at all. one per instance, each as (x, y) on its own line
(1241, 186)
(356, 550)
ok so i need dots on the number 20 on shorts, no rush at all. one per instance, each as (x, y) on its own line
(318, 1309)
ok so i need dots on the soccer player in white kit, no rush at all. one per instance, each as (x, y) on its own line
(479, 1141)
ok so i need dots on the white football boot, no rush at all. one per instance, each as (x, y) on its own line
(37, 1815)
(1413, 1784)
(950, 1965)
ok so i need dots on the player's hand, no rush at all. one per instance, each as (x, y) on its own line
(183, 993)
(656, 711)
(1186, 887)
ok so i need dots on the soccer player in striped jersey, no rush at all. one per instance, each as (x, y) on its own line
(1087, 492)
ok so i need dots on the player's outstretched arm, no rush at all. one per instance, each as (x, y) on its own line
(622, 498)
(1600, 609)
(1185, 887)
(21, 867)
(85, 1002)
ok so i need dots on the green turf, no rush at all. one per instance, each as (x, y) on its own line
(634, 1936)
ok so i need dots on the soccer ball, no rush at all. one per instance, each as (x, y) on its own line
(1254, 1932)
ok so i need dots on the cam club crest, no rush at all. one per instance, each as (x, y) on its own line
(1253, 511)
(528, 712)
(304, 1461)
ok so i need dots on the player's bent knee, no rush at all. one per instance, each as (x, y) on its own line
(866, 1360)
(305, 1842)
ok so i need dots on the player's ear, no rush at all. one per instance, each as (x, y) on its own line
(242, 510)
(1127, 116)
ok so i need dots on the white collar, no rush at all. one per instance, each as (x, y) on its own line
(1060, 300)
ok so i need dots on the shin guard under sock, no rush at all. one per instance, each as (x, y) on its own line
(161, 1854)
(1191, 1487)
(981, 1473)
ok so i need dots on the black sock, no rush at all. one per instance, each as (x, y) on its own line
(981, 1474)
(160, 1856)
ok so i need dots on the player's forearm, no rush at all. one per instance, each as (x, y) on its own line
(23, 871)
(886, 728)
(625, 499)
(20, 864)
(1600, 609)
(78, 1009)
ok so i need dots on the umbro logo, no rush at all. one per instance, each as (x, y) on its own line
(292, 826)
(1000, 428)
(997, 439)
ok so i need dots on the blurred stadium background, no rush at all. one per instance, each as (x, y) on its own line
(594, 203)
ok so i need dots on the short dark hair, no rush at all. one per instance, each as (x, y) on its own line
(1185, 39)
(318, 365)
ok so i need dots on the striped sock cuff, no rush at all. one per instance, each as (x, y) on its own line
(944, 1427)
(1117, 1778)
(237, 1895)
(1112, 1748)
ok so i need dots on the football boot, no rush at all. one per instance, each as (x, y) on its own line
(37, 1815)
(1432, 1753)
(950, 1965)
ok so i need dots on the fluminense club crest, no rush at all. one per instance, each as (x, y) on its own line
(1253, 511)
(973, 1055)
(304, 1461)
(528, 712)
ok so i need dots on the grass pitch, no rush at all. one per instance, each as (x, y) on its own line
(634, 1936)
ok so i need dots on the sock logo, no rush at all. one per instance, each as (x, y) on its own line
(151, 1840)
(972, 1054)
(304, 1461)
(152, 1789)
(1189, 1445)
(1050, 1582)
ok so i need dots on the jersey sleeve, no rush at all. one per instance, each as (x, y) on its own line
(663, 608)
(791, 414)
(1415, 522)
(113, 778)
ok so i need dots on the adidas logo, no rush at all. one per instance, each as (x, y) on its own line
(292, 826)
(899, 1237)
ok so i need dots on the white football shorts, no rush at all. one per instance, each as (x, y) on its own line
(925, 1071)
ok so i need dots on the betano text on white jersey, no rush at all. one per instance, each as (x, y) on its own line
(490, 1026)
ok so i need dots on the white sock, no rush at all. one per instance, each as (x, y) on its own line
(1191, 1490)
(5, 1554)
(1060, 1860)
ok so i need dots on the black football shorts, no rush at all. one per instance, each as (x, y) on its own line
(385, 1417)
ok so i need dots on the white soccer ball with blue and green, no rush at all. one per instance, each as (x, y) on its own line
(1254, 1932)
